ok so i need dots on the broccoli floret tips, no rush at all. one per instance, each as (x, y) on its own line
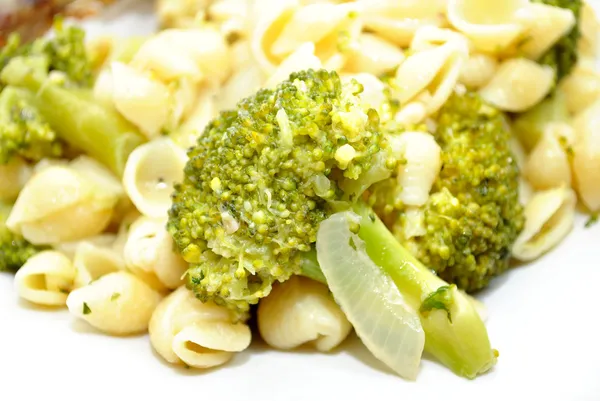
(46, 103)
(262, 178)
(14, 249)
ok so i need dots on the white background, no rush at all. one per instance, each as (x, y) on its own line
(544, 319)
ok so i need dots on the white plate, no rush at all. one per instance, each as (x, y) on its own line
(543, 319)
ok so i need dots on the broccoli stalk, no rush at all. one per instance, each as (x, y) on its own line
(458, 338)
(74, 115)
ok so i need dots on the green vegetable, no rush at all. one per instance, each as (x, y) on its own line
(73, 114)
(262, 177)
(86, 309)
(563, 56)
(49, 101)
(14, 249)
(589, 223)
(473, 215)
(23, 131)
(460, 342)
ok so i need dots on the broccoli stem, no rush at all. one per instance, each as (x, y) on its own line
(309, 267)
(454, 331)
(80, 121)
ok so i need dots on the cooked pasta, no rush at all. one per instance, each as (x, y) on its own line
(45, 279)
(544, 27)
(590, 26)
(423, 163)
(184, 330)
(101, 240)
(301, 311)
(82, 196)
(548, 165)
(174, 53)
(93, 261)
(492, 26)
(118, 304)
(398, 21)
(549, 217)
(518, 85)
(373, 55)
(431, 74)
(149, 253)
(581, 88)
(150, 173)
(478, 70)
(303, 58)
(586, 156)
(139, 98)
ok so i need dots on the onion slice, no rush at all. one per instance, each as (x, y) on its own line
(385, 323)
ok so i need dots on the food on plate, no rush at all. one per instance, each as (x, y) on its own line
(320, 166)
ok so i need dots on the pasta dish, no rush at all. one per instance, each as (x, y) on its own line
(314, 167)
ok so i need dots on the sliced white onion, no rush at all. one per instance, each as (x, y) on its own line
(388, 327)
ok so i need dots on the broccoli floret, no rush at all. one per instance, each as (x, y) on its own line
(51, 77)
(563, 56)
(23, 131)
(263, 177)
(473, 214)
(14, 249)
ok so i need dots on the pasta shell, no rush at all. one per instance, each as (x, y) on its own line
(478, 70)
(432, 72)
(302, 59)
(118, 304)
(181, 312)
(315, 23)
(149, 251)
(150, 173)
(61, 204)
(582, 86)
(397, 21)
(142, 100)
(13, 177)
(45, 279)
(123, 231)
(590, 26)
(209, 344)
(548, 165)
(301, 311)
(586, 156)
(102, 241)
(491, 25)
(518, 85)
(193, 127)
(373, 55)
(546, 25)
(549, 218)
(103, 87)
(423, 164)
(177, 53)
(230, 15)
(271, 17)
(92, 262)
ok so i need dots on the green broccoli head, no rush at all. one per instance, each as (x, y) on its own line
(23, 131)
(261, 179)
(563, 56)
(473, 214)
(65, 52)
(14, 249)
